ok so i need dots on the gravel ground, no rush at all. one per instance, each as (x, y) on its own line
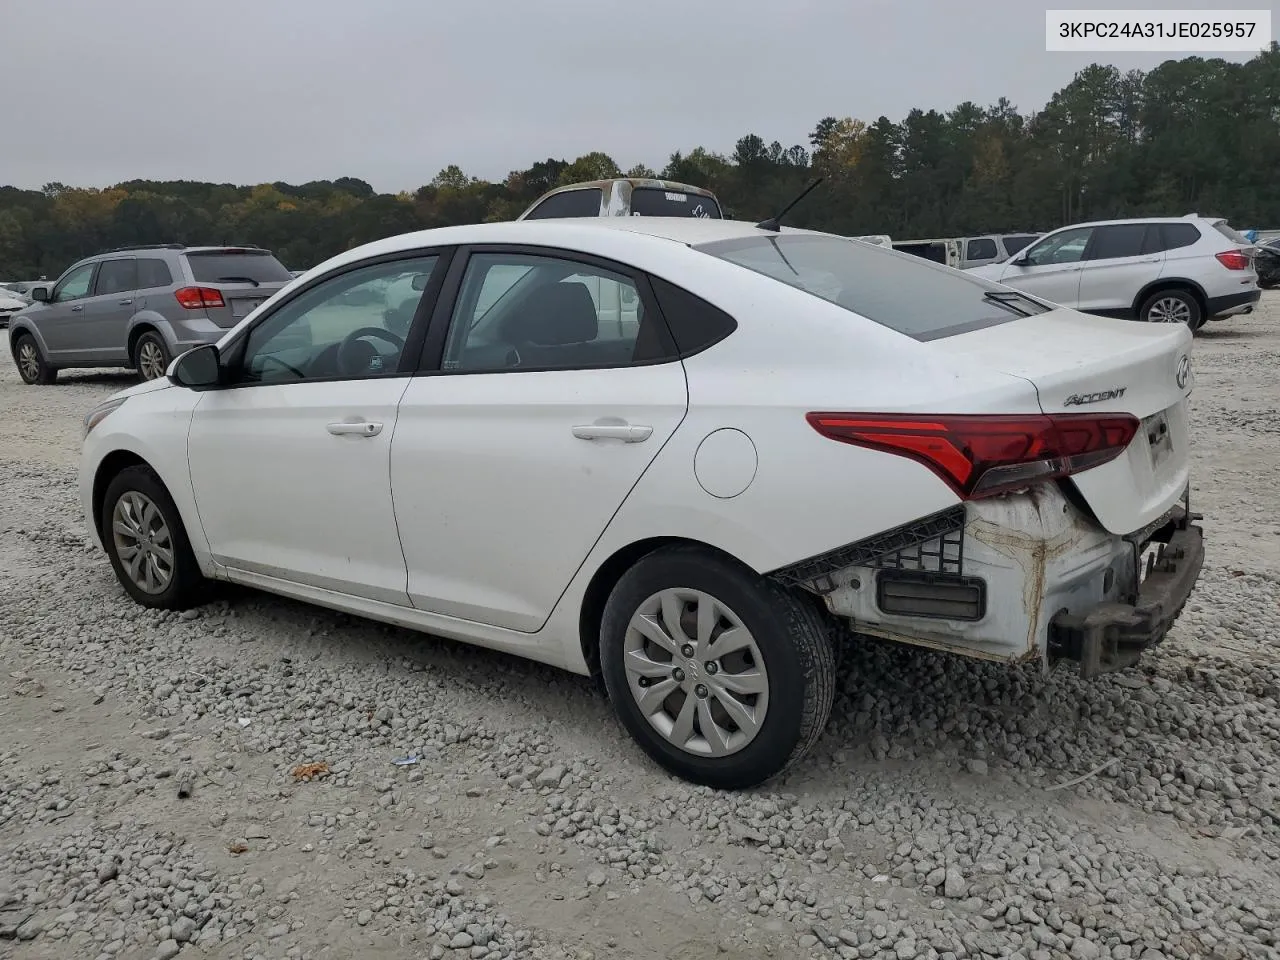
(942, 816)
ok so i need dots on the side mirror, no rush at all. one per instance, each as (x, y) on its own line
(40, 293)
(197, 369)
(1022, 262)
(420, 281)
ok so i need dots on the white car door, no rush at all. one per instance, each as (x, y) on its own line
(289, 462)
(1051, 268)
(510, 462)
(1116, 267)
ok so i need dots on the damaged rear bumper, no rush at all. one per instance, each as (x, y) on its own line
(1113, 635)
(1028, 577)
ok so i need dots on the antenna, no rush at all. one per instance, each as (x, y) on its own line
(774, 223)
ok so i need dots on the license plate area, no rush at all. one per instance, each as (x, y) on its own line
(242, 308)
(1159, 439)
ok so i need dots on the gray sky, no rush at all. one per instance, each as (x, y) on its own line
(391, 91)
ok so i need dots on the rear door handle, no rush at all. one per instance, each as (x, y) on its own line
(125, 303)
(626, 432)
(360, 428)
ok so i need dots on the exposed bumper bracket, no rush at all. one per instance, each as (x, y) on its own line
(1113, 635)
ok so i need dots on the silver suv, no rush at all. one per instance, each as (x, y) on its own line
(1164, 270)
(140, 307)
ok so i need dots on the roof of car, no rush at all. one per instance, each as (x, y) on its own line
(1110, 223)
(569, 233)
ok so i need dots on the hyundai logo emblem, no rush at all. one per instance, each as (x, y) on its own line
(1183, 373)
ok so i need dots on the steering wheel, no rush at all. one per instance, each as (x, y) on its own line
(346, 349)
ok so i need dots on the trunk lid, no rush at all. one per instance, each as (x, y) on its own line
(244, 276)
(1086, 364)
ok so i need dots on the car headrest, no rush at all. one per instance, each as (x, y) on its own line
(555, 315)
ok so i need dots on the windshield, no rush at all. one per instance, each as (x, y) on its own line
(904, 293)
(659, 202)
(230, 266)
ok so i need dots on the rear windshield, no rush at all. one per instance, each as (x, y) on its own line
(569, 204)
(657, 202)
(904, 293)
(230, 267)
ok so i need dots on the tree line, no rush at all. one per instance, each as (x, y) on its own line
(1191, 135)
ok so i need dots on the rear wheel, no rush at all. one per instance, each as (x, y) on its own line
(147, 543)
(723, 677)
(32, 366)
(1172, 306)
(150, 358)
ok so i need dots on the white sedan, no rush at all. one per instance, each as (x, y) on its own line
(694, 456)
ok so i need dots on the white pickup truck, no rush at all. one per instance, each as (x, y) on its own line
(625, 197)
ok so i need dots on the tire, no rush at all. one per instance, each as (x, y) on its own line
(185, 586)
(1172, 306)
(150, 358)
(789, 637)
(32, 366)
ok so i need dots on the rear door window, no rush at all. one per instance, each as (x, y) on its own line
(659, 202)
(571, 203)
(116, 276)
(230, 266)
(904, 293)
(1119, 240)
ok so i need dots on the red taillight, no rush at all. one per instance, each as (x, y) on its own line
(979, 455)
(1233, 260)
(196, 298)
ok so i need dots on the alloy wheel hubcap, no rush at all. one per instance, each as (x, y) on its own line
(1169, 310)
(143, 542)
(28, 361)
(150, 360)
(696, 672)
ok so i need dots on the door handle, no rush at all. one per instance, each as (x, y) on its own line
(77, 308)
(626, 432)
(125, 303)
(1151, 260)
(359, 428)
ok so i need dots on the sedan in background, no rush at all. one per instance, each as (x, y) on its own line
(11, 303)
(694, 456)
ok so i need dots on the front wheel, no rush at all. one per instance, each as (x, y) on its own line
(32, 366)
(1172, 306)
(147, 543)
(723, 677)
